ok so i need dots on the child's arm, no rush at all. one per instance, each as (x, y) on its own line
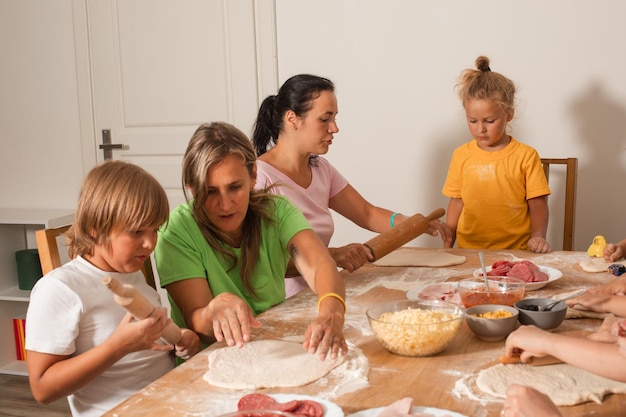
(602, 359)
(455, 206)
(538, 210)
(614, 251)
(600, 303)
(53, 377)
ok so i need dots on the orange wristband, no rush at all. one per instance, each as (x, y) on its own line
(334, 295)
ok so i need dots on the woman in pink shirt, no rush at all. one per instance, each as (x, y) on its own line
(292, 129)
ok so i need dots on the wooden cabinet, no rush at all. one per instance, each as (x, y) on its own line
(17, 231)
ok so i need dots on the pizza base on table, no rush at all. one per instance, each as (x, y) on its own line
(593, 264)
(563, 383)
(412, 257)
(266, 364)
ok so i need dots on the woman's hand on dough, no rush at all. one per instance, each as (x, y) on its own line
(523, 401)
(324, 337)
(232, 319)
(538, 244)
(351, 257)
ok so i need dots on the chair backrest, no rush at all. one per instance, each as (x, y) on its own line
(50, 257)
(571, 178)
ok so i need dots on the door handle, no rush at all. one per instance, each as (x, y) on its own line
(107, 146)
(112, 146)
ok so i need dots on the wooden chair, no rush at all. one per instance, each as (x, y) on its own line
(50, 257)
(571, 177)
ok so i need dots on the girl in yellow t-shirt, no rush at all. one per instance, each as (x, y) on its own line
(497, 188)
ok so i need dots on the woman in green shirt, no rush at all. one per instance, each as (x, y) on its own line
(223, 255)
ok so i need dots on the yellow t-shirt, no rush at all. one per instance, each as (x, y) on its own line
(495, 187)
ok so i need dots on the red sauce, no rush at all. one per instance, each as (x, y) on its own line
(471, 299)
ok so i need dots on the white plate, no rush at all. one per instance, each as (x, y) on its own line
(553, 275)
(437, 412)
(330, 409)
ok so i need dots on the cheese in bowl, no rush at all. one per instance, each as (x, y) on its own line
(415, 327)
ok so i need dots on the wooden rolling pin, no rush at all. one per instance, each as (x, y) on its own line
(138, 305)
(406, 231)
(534, 361)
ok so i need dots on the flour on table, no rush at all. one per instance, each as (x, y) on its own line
(412, 257)
(266, 364)
(592, 264)
(563, 383)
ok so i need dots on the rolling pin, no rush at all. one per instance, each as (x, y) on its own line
(406, 231)
(138, 305)
(534, 361)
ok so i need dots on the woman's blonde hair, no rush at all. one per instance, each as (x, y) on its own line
(115, 196)
(208, 146)
(484, 84)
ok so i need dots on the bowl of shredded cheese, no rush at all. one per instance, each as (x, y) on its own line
(415, 327)
(492, 322)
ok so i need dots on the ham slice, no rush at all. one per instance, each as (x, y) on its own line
(402, 408)
(444, 291)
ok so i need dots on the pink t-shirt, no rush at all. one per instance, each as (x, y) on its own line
(313, 200)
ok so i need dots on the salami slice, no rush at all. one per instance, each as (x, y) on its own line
(257, 401)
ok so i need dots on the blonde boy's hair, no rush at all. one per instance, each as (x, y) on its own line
(115, 196)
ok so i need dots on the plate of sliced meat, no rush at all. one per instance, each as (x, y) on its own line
(536, 276)
(299, 405)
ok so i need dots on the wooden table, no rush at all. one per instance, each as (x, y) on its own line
(431, 381)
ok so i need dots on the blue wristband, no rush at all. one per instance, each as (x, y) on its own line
(392, 219)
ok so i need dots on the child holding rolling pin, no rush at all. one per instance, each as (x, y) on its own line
(497, 188)
(80, 343)
(223, 255)
(292, 129)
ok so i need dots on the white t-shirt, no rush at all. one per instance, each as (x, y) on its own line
(313, 201)
(70, 312)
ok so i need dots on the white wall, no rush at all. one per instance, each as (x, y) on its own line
(41, 162)
(395, 63)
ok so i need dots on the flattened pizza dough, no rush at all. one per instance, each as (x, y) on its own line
(266, 364)
(592, 264)
(563, 383)
(413, 257)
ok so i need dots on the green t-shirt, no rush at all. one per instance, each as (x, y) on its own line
(183, 253)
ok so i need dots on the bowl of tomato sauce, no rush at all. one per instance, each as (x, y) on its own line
(497, 290)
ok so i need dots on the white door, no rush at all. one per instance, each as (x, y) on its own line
(160, 68)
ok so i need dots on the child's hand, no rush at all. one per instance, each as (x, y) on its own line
(538, 244)
(188, 345)
(612, 252)
(526, 401)
(593, 302)
(133, 335)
